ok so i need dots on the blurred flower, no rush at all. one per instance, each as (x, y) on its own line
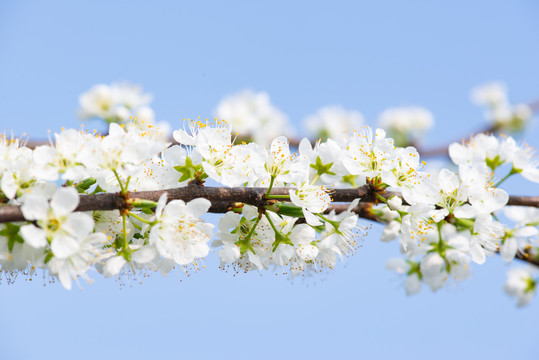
(499, 111)
(253, 116)
(333, 121)
(406, 125)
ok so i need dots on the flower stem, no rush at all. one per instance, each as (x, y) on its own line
(124, 234)
(381, 198)
(271, 223)
(122, 189)
(278, 196)
(512, 172)
(270, 186)
(142, 219)
(248, 238)
(335, 224)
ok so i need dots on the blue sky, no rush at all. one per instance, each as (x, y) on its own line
(364, 55)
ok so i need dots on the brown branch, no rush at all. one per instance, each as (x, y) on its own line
(224, 199)
(444, 150)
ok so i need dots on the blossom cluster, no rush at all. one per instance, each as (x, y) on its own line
(498, 110)
(254, 118)
(289, 223)
(458, 222)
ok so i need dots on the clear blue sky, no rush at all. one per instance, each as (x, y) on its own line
(363, 55)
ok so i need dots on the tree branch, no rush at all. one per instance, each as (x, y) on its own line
(224, 199)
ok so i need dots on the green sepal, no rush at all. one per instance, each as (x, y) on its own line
(143, 203)
(287, 209)
(190, 171)
(98, 190)
(322, 168)
(350, 179)
(147, 211)
(85, 184)
(281, 239)
(494, 163)
(11, 232)
(49, 256)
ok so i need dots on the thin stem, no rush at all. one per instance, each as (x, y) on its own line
(124, 233)
(278, 196)
(142, 219)
(271, 223)
(248, 238)
(270, 186)
(122, 189)
(335, 224)
(315, 179)
(381, 198)
(512, 172)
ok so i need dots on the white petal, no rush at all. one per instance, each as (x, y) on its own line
(229, 253)
(183, 138)
(509, 249)
(531, 174)
(465, 211)
(9, 185)
(310, 218)
(113, 266)
(412, 284)
(65, 279)
(64, 246)
(526, 231)
(144, 255)
(35, 207)
(477, 253)
(33, 236)
(64, 201)
(282, 254)
(399, 265)
(198, 207)
(79, 225)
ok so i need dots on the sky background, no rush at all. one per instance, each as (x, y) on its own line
(363, 55)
